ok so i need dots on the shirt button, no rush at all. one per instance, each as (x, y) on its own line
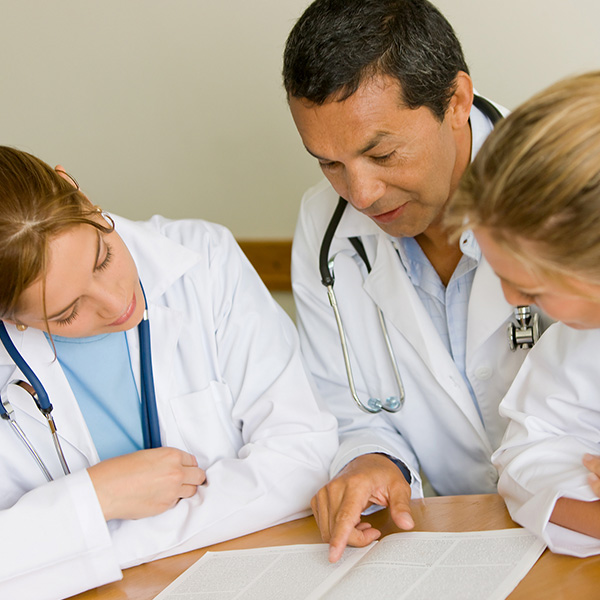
(483, 373)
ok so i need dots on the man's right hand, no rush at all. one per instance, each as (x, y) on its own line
(368, 479)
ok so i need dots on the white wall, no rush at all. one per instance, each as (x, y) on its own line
(524, 45)
(159, 106)
(176, 106)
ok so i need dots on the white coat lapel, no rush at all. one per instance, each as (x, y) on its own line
(488, 309)
(391, 289)
(165, 325)
(389, 286)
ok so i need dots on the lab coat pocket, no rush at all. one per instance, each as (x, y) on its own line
(204, 422)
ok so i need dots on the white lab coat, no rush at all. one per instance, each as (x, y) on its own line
(439, 429)
(230, 389)
(554, 415)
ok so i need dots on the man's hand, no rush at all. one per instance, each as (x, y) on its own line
(592, 464)
(145, 483)
(368, 479)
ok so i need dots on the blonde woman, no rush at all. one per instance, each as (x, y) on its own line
(532, 198)
(236, 440)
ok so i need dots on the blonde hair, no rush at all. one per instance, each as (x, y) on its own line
(36, 204)
(537, 179)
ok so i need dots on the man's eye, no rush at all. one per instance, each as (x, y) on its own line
(383, 158)
(327, 165)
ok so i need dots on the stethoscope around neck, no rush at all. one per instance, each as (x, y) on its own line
(326, 264)
(523, 334)
(149, 414)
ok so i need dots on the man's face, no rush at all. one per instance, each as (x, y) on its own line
(396, 165)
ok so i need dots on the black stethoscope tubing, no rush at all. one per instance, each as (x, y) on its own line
(374, 405)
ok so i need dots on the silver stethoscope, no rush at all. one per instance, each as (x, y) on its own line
(523, 334)
(150, 427)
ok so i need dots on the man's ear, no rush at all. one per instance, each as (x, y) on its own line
(459, 108)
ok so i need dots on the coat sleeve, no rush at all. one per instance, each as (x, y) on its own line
(56, 542)
(284, 437)
(360, 432)
(554, 421)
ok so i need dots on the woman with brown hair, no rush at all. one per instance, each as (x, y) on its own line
(183, 414)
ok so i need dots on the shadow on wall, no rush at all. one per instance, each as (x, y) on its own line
(286, 301)
(272, 260)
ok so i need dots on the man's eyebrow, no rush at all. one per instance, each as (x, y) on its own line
(313, 154)
(368, 146)
(66, 308)
(373, 142)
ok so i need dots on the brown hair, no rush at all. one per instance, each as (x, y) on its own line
(537, 179)
(36, 204)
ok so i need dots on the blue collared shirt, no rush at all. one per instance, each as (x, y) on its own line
(446, 305)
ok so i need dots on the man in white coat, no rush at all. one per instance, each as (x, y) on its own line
(381, 96)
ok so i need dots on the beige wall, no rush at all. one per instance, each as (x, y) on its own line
(515, 48)
(176, 107)
(159, 106)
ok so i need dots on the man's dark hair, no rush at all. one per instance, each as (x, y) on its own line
(337, 44)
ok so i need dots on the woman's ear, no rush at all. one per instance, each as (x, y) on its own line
(63, 173)
(459, 108)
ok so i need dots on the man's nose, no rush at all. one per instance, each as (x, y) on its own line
(364, 188)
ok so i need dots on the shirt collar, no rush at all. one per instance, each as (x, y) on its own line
(469, 246)
(481, 126)
(160, 261)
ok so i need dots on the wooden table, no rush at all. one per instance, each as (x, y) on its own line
(553, 577)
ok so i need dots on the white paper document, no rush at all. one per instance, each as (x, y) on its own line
(479, 565)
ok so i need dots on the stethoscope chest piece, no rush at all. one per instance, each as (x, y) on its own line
(526, 332)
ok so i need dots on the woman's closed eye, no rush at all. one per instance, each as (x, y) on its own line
(107, 258)
(68, 320)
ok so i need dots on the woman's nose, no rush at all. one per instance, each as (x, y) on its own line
(111, 302)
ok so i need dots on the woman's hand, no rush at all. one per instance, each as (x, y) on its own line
(145, 483)
(592, 464)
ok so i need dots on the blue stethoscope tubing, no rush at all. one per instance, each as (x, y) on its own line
(150, 426)
(149, 413)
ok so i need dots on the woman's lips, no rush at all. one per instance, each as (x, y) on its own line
(127, 314)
